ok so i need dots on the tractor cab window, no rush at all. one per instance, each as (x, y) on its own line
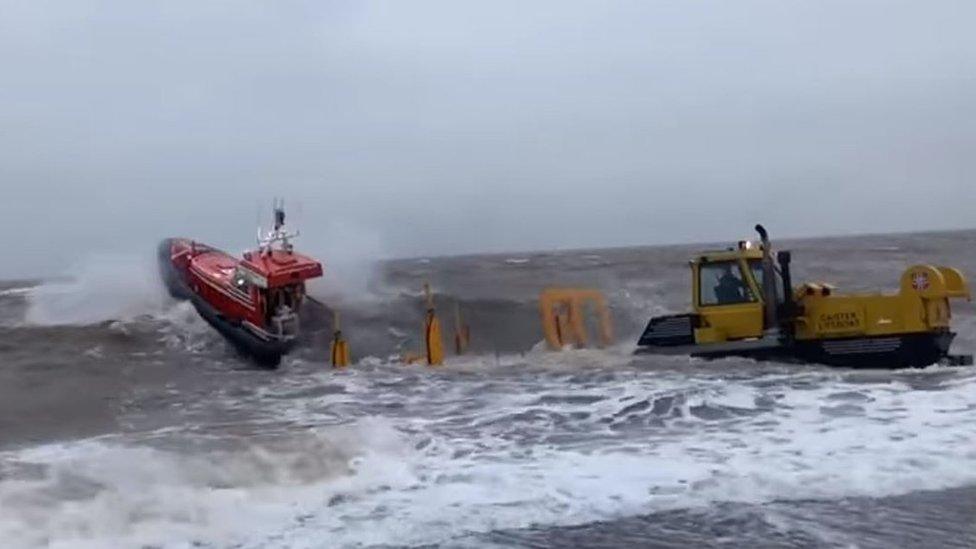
(722, 283)
(757, 273)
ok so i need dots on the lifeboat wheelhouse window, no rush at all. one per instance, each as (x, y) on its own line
(241, 282)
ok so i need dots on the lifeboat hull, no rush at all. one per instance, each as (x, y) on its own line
(265, 353)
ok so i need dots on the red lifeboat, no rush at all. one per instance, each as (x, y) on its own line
(253, 302)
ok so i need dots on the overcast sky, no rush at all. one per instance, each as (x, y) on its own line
(421, 128)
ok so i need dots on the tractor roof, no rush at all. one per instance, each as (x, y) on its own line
(745, 250)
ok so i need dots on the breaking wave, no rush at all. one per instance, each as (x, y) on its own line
(371, 456)
(104, 492)
(102, 288)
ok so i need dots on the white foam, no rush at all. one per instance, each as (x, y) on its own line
(99, 493)
(539, 357)
(502, 464)
(808, 456)
(803, 453)
(16, 291)
(182, 328)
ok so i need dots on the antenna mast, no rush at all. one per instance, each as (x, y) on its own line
(278, 234)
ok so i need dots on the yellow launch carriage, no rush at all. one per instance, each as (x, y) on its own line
(744, 304)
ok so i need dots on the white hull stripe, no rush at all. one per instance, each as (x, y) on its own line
(205, 279)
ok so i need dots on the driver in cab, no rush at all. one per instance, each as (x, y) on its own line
(730, 288)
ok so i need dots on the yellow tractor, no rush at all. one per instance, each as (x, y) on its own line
(744, 304)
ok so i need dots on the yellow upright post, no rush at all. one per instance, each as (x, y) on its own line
(340, 349)
(462, 333)
(433, 342)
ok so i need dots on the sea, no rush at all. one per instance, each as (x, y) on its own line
(126, 421)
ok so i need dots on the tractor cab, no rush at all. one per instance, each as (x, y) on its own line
(744, 304)
(728, 293)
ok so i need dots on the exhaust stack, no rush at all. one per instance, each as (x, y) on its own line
(770, 316)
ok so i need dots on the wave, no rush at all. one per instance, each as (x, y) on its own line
(21, 291)
(381, 316)
(103, 492)
(101, 288)
(509, 451)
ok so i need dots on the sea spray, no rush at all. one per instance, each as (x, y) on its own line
(102, 287)
(351, 255)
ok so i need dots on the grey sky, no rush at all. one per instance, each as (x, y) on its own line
(415, 128)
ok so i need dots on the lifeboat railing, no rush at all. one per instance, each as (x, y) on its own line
(267, 242)
(285, 323)
(283, 327)
(278, 234)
